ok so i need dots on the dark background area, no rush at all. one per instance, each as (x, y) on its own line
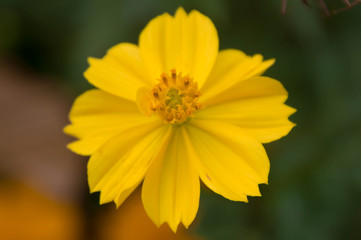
(314, 189)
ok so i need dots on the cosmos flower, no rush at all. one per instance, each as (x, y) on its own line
(173, 111)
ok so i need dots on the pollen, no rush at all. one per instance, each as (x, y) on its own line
(174, 98)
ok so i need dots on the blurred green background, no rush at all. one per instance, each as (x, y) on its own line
(314, 189)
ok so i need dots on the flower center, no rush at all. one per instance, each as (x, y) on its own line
(174, 98)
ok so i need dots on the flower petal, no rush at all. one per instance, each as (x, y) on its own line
(228, 160)
(231, 67)
(118, 167)
(96, 116)
(188, 43)
(120, 72)
(256, 105)
(171, 187)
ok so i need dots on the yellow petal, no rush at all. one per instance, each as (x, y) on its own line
(231, 67)
(96, 116)
(228, 160)
(120, 72)
(171, 187)
(256, 105)
(188, 43)
(131, 222)
(118, 167)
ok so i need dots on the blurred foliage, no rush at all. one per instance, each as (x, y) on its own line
(28, 214)
(314, 190)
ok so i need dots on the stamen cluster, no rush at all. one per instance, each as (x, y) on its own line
(175, 97)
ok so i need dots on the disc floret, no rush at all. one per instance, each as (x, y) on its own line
(174, 98)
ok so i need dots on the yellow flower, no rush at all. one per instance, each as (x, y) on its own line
(174, 110)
